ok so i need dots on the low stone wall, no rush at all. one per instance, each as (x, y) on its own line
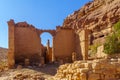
(104, 69)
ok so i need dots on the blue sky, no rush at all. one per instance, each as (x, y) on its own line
(43, 14)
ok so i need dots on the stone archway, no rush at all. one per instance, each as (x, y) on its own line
(24, 39)
(52, 32)
(47, 51)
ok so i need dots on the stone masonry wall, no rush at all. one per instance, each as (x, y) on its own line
(81, 43)
(27, 44)
(11, 49)
(104, 69)
(63, 45)
(24, 43)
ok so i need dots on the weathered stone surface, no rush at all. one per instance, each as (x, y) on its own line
(97, 15)
(83, 76)
(27, 62)
(25, 43)
(103, 69)
(96, 66)
(74, 56)
(94, 76)
(100, 52)
(88, 65)
(84, 70)
(19, 67)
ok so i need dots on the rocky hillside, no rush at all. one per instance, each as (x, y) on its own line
(3, 53)
(97, 15)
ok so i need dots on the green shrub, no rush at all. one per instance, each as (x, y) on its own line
(112, 44)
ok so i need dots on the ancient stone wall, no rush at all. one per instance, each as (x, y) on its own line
(24, 42)
(81, 42)
(84, 43)
(11, 45)
(104, 69)
(100, 53)
(64, 43)
(27, 43)
(78, 46)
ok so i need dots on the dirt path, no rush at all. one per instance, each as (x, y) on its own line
(31, 73)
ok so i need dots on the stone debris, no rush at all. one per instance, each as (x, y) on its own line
(22, 74)
(102, 69)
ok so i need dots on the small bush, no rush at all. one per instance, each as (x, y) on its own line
(112, 44)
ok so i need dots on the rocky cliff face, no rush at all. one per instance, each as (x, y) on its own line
(97, 15)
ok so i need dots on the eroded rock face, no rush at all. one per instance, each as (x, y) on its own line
(97, 15)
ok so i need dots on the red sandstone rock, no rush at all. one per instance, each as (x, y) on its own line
(97, 15)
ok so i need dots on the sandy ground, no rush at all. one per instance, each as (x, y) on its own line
(46, 72)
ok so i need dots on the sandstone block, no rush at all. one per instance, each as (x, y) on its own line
(84, 70)
(83, 76)
(79, 65)
(70, 70)
(98, 71)
(94, 76)
(19, 67)
(102, 76)
(109, 71)
(109, 66)
(119, 60)
(118, 69)
(110, 77)
(96, 65)
(74, 78)
(27, 62)
(114, 60)
(62, 67)
(69, 77)
(88, 65)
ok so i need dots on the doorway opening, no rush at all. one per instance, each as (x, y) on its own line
(46, 42)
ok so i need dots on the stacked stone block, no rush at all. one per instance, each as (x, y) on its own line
(103, 69)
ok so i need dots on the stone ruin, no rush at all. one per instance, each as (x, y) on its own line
(25, 46)
(99, 69)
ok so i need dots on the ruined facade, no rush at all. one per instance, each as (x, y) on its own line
(25, 43)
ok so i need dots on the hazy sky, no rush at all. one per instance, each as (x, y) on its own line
(43, 14)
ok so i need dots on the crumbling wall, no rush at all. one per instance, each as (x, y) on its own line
(63, 44)
(78, 46)
(11, 45)
(100, 52)
(104, 69)
(81, 42)
(26, 42)
(84, 43)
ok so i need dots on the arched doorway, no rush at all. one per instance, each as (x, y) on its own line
(45, 36)
(47, 45)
